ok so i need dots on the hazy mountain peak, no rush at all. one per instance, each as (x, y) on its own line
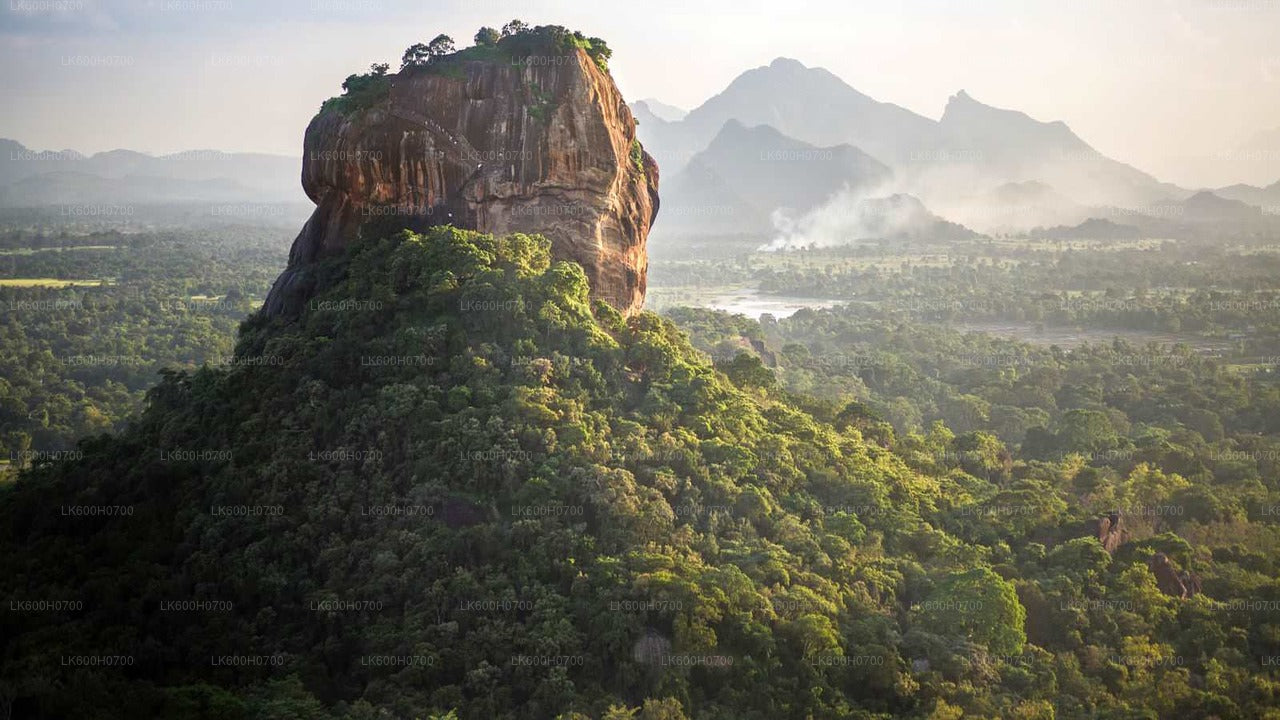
(659, 110)
(752, 170)
(1208, 200)
(1261, 197)
(809, 104)
(734, 129)
(122, 154)
(963, 103)
(785, 63)
(1009, 132)
(781, 76)
(16, 151)
(738, 137)
(645, 116)
(903, 201)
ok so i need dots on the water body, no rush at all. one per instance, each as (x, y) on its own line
(753, 304)
(737, 301)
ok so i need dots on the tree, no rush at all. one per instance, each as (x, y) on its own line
(600, 47)
(1082, 559)
(746, 370)
(1087, 431)
(515, 27)
(982, 455)
(664, 709)
(418, 54)
(440, 46)
(600, 52)
(379, 69)
(979, 605)
(415, 55)
(487, 36)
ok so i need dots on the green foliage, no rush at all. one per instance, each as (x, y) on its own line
(515, 27)
(515, 45)
(540, 103)
(416, 55)
(361, 92)
(840, 517)
(979, 606)
(637, 156)
(77, 361)
(419, 55)
(1036, 447)
(682, 494)
(746, 371)
(521, 42)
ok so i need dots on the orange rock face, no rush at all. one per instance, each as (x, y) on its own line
(545, 145)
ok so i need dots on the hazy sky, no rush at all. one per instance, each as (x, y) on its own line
(1161, 84)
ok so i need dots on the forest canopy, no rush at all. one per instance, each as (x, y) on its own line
(458, 484)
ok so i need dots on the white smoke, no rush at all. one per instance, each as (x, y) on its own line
(847, 217)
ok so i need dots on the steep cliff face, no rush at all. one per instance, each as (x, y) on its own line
(543, 144)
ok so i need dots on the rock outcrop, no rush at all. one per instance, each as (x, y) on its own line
(1171, 582)
(541, 144)
(1110, 532)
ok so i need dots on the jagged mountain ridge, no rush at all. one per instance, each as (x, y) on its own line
(1011, 146)
(972, 147)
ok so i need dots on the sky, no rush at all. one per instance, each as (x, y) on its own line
(1170, 86)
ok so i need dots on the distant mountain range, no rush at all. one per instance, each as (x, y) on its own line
(815, 106)
(1267, 198)
(780, 141)
(31, 178)
(1013, 206)
(1000, 146)
(808, 104)
(993, 169)
(1091, 229)
(1204, 214)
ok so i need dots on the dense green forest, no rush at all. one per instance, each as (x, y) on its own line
(456, 485)
(90, 315)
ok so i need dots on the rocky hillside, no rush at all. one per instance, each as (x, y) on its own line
(527, 135)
